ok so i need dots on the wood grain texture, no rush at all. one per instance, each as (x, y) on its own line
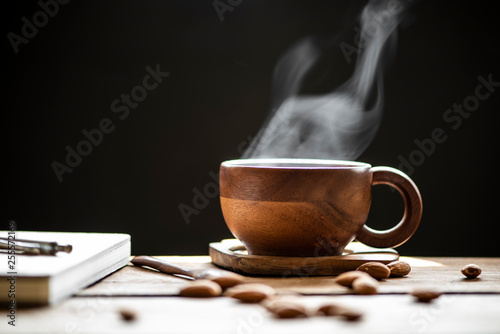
(381, 314)
(435, 271)
(412, 199)
(222, 277)
(295, 209)
(230, 254)
(467, 306)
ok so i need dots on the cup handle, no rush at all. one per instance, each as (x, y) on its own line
(400, 233)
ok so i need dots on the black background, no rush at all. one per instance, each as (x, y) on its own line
(217, 95)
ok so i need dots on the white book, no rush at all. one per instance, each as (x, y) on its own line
(48, 279)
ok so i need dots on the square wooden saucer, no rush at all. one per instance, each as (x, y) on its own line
(232, 255)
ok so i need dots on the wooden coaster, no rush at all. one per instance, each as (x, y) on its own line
(231, 254)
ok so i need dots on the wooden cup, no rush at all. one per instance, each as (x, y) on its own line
(310, 207)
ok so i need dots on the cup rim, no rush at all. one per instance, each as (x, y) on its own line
(294, 163)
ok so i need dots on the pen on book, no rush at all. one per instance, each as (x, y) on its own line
(32, 247)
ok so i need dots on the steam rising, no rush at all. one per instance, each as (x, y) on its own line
(340, 124)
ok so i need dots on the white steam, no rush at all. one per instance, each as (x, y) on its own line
(338, 125)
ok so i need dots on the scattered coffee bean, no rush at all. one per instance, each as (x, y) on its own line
(399, 268)
(225, 281)
(346, 279)
(365, 286)
(471, 271)
(425, 295)
(201, 288)
(287, 309)
(250, 292)
(376, 270)
(127, 314)
(329, 309)
(342, 311)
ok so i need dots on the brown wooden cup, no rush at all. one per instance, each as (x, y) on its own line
(310, 207)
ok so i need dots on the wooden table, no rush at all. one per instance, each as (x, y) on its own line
(467, 306)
